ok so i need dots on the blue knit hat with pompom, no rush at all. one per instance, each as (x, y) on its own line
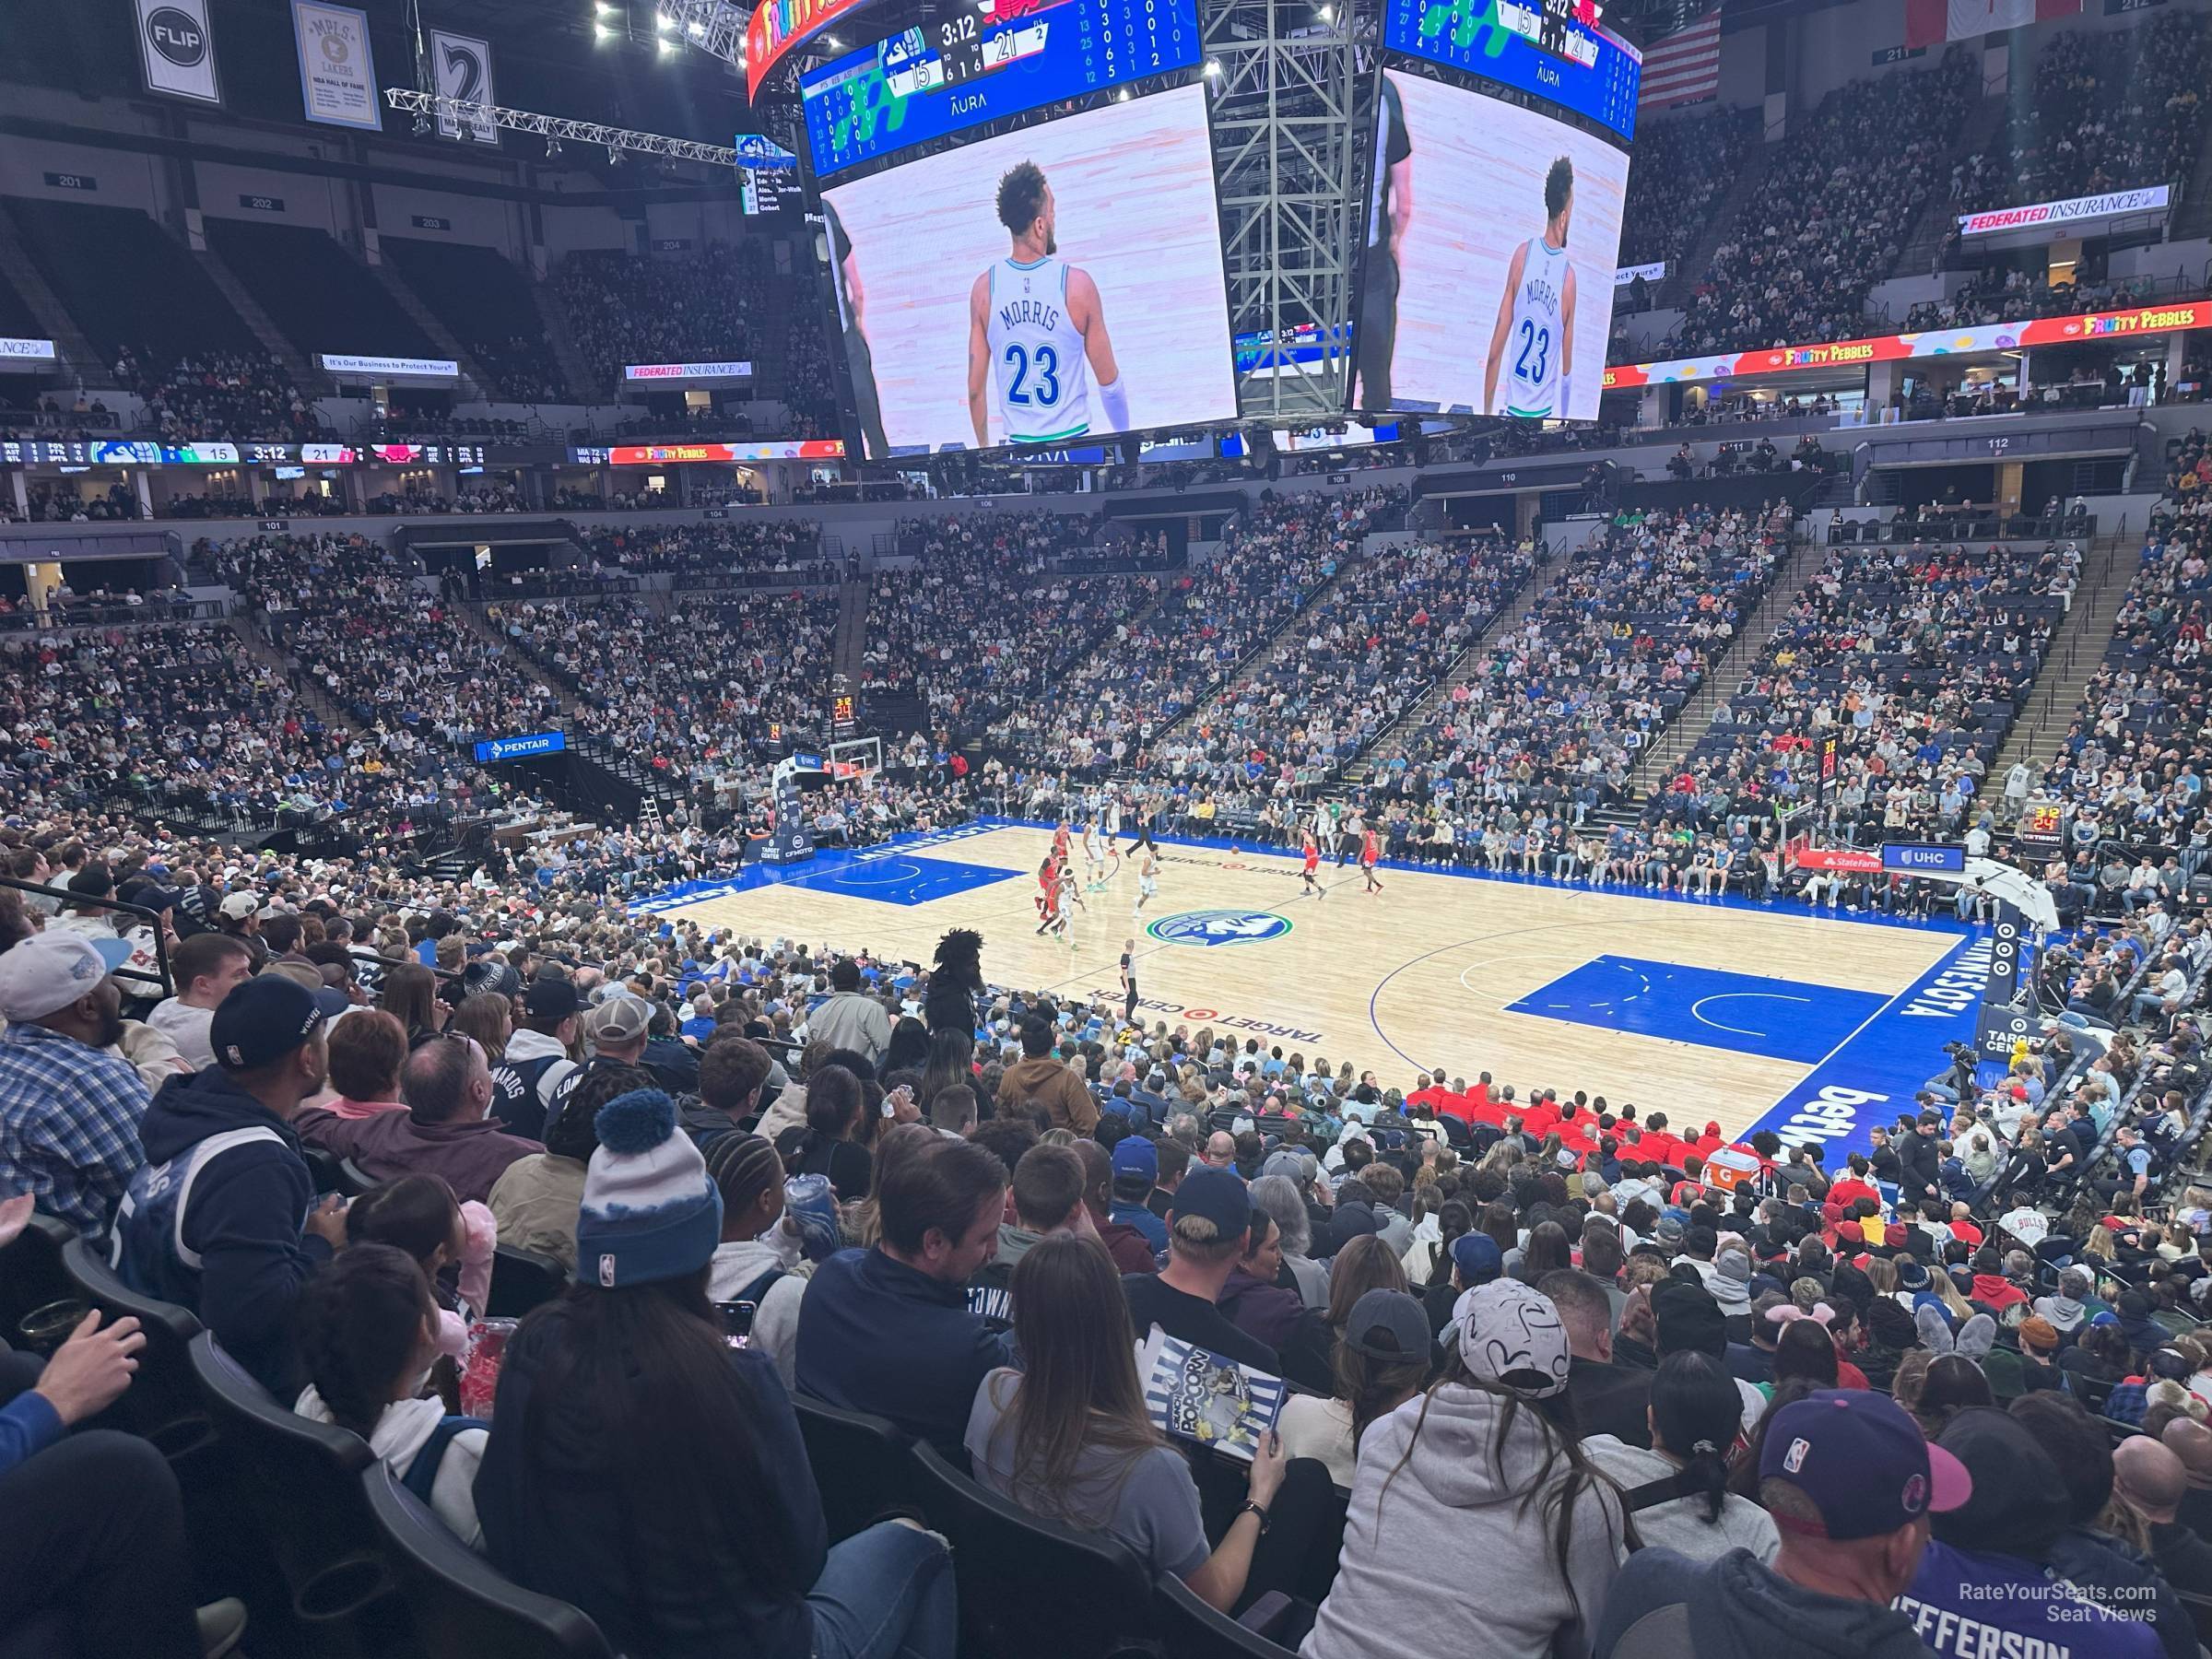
(649, 1210)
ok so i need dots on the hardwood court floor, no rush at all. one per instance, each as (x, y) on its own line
(1702, 1009)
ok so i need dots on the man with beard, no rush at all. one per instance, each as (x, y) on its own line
(69, 1112)
(214, 1222)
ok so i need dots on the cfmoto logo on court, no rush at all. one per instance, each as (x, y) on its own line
(1210, 927)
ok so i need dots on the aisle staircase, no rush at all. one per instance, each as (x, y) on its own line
(1246, 666)
(294, 671)
(1682, 281)
(2076, 652)
(1939, 212)
(584, 386)
(304, 374)
(423, 317)
(24, 275)
(1462, 670)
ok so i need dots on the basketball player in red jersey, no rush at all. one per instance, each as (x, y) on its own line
(1048, 892)
(1060, 844)
(1311, 848)
(1371, 851)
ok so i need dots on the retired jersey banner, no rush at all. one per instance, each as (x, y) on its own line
(461, 66)
(176, 50)
(1931, 22)
(1898, 347)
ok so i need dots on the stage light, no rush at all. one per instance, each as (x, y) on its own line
(833, 43)
(1213, 68)
(668, 47)
(697, 29)
(663, 23)
(552, 147)
(601, 32)
(422, 127)
(1327, 14)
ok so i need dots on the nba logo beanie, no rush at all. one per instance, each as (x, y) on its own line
(649, 1210)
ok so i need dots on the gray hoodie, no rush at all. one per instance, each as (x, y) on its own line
(1451, 1548)
(1681, 1523)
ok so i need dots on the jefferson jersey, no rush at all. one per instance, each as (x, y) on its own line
(1037, 362)
(1537, 332)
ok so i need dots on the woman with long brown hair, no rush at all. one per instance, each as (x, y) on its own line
(410, 996)
(1482, 1470)
(1068, 1438)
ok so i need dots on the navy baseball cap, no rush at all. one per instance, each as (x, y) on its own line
(1220, 1195)
(262, 1020)
(1478, 1257)
(1133, 1154)
(1862, 1462)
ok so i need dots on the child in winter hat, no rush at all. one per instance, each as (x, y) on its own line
(649, 1210)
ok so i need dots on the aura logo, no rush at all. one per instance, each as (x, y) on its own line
(1211, 928)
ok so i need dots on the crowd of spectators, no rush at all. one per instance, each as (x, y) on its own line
(1353, 664)
(2108, 112)
(2013, 295)
(221, 395)
(1915, 659)
(1155, 669)
(781, 548)
(700, 307)
(976, 666)
(1830, 215)
(1836, 1404)
(693, 703)
(2129, 773)
(1684, 166)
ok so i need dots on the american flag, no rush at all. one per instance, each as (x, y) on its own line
(1683, 68)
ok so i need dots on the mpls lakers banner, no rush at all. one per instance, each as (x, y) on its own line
(337, 72)
(1935, 342)
(2112, 204)
(176, 50)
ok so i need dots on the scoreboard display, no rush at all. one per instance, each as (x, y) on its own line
(1555, 50)
(980, 66)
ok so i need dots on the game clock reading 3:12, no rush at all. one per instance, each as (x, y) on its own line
(961, 71)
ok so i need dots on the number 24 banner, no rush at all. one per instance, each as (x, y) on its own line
(462, 67)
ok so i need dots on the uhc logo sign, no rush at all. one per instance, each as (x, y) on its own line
(1210, 927)
(177, 36)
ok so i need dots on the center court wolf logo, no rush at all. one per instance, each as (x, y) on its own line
(1211, 928)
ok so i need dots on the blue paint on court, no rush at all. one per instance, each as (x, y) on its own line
(1741, 1013)
(1873, 1076)
(895, 872)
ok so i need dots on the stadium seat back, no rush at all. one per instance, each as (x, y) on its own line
(860, 1465)
(1191, 1628)
(304, 1478)
(31, 1270)
(1027, 1585)
(521, 1279)
(462, 1607)
(162, 1402)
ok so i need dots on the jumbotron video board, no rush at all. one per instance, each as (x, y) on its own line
(1498, 179)
(1049, 284)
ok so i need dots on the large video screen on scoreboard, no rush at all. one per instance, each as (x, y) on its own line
(1493, 219)
(1039, 287)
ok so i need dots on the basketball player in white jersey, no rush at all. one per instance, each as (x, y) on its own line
(1094, 853)
(1535, 335)
(1037, 337)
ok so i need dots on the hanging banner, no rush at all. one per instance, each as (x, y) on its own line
(2074, 210)
(461, 64)
(338, 72)
(176, 50)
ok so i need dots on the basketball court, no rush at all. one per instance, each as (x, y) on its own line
(1816, 1025)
